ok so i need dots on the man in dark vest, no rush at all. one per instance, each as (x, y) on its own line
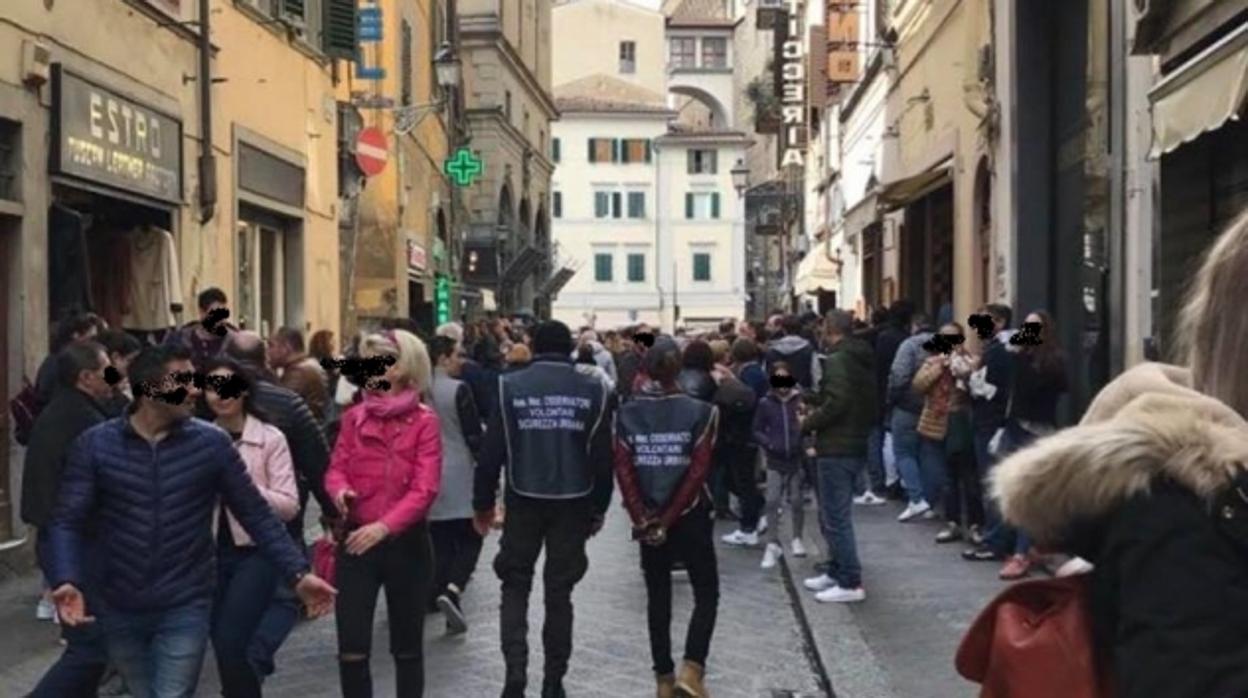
(663, 445)
(551, 431)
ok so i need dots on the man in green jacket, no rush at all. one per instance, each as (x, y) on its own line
(841, 420)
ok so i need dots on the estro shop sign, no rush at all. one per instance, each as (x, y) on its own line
(102, 136)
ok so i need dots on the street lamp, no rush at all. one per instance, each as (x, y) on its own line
(740, 176)
(447, 72)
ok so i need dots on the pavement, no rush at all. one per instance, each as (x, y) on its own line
(772, 639)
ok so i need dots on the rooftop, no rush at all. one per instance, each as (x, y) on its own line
(603, 93)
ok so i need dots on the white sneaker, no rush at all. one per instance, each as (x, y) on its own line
(46, 610)
(835, 594)
(799, 550)
(914, 509)
(772, 555)
(819, 583)
(869, 499)
(930, 515)
(1073, 566)
(740, 537)
(761, 528)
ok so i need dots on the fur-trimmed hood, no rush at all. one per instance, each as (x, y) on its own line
(1146, 424)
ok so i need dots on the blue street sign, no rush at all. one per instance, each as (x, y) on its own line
(370, 25)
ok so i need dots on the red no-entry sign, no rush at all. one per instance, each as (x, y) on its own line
(371, 151)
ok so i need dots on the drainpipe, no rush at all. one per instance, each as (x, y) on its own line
(658, 227)
(207, 161)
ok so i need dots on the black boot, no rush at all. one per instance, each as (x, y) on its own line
(513, 689)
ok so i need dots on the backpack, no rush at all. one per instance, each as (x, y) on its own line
(25, 408)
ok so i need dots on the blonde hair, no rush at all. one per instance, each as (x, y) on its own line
(1213, 327)
(519, 354)
(412, 355)
(720, 349)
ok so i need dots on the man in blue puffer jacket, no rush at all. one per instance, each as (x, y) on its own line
(148, 484)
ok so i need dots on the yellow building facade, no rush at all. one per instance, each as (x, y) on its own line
(403, 231)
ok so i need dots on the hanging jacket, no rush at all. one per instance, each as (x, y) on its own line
(778, 430)
(550, 430)
(1150, 488)
(663, 446)
(391, 459)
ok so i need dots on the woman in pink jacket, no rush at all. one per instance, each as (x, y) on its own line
(246, 579)
(384, 476)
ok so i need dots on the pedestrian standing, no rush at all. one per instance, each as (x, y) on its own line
(796, 351)
(157, 579)
(205, 337)
(778, 431)
(297, 370)
(384, 477)
(663, 445)
(550, 432)
(78, 328)
(77, 405)
(1149, 487)
(122, 348)
(841, 420)
(990, 385)
(456, 544)
(246, 579)
(921, 469)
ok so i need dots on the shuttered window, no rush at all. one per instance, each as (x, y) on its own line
(602, 204)
(339, 29)
(405, 58)
(557, 204)
(701, 266)
(602, 268)
(636, 268)
(636, 204)
(554, 149)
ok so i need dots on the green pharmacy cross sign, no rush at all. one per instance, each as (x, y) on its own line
(464, 167)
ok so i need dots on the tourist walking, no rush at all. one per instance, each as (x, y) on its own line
(778, 432)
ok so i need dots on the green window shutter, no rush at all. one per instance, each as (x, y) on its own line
(711, 158)
(715, 205)
(339, 32)
(636, 268)
(636, 204)
(615, 150)
(294, 8)
(591, 150)
(649, 148)
(701, 267)
(688, 207)
(601, 204)
(554, 149)
(617, 205)
(602, 267)
(557, 204)
(690, 166)
(624, 151)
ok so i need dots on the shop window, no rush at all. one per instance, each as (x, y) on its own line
(701, 161)
(636, 268)
(701, 266)
(684, 52)
(628, 57)
(602, 268)
(10, 159)
(715, 52)
(268, 289)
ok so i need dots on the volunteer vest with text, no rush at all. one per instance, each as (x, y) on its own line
(663, 433)
(551, 414)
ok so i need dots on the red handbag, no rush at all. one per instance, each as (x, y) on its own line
(1035, 641)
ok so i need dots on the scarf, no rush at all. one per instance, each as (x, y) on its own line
(389, 406)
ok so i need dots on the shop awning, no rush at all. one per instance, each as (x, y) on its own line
(817, 272)
(901, 192)
(1201, 95)
(862, 214)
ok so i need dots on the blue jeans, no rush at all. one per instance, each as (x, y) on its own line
(906, 450)
(836, 493)
(1002, 537)
(280, 618)
(159, 653)
(933, 469)
(82, 664)
(873, 477)
(246, 580)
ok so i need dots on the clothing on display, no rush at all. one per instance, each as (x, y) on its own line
(69, 273)
(155, 287)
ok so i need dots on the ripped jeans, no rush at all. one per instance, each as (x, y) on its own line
(403, 566)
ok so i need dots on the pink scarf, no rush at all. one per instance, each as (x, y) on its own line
(389, 406)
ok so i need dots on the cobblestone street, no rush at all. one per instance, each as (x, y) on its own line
(899, 644)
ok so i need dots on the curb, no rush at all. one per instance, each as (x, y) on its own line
(809, 646)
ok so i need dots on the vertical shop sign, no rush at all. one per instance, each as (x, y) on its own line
(793, 90)
(442, 299)
(371, 31)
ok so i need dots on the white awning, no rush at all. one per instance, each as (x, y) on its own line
(817, 272)
(1201, 95)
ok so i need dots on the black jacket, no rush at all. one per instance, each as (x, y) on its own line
(70, 413)
(308, 450)
(887, 341)
(696, 384)
(845, 408)
(1150, 489)
(989, 415)
(552, 430)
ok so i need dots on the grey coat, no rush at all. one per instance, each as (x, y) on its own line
(461, 439)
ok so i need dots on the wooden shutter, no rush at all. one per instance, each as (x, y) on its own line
(624, 154)
(688, 206)
(649, 149)
(617, 205)
(338, 35)
(715, 205)
(294, 9)
(592, 151)
(554, 149)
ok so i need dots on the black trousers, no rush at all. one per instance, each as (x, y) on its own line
(456, 549)
(742, 467)
(403, 566)
(690, 540)
(561, 526)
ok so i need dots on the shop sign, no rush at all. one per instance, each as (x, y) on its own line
(793, 90)
(843, 66)
(442, 299)
(102, 136)
(416, 257)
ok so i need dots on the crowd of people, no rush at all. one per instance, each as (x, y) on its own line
(168, 484)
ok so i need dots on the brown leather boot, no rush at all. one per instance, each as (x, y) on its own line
(667, 686)
(689, 685)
